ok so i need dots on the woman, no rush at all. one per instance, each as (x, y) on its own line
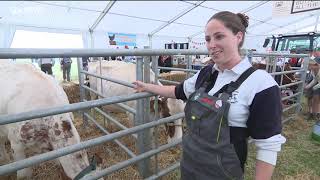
(220, 121)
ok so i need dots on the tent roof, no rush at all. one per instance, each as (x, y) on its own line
(170, 18)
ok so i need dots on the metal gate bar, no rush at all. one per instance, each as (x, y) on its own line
(127, 150)
(123, 164)
(21, 164)
(164, 171)
(121, 105)
(12, 118)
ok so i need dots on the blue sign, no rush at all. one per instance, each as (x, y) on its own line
(121, 39)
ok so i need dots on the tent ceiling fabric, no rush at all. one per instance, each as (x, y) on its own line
(144, 17)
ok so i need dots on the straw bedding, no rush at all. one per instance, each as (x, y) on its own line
(72, 91)
(177, 76)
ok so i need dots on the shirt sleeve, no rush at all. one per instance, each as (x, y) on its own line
(264, 124)
(267, 149)
(187, 87)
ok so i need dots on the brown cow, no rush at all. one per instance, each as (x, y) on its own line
(127, 72)
(287, 78)
(166, 108)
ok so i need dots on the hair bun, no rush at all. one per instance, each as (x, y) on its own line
(244, 19)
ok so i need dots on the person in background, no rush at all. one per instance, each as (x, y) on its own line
(46, 65)
(134, 58)
(312, 90)
(119, 58)
(113, 58)
(85, 63)
(123, 57)
(127, 58)
(226, 103)
(196, 63)
(164, 61)
(66, 67)
(294, 61)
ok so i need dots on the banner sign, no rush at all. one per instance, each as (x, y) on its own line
(122, 39)
(286, 8)
(281, 8)
(303, 6)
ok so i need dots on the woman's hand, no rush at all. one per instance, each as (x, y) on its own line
(165, 91)
(140, 86)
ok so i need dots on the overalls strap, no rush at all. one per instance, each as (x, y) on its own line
(208, 82)
(233, 85)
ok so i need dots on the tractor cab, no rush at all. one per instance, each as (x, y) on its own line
(307, 43)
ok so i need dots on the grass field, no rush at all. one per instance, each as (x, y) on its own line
(57, 72)
(300, 156)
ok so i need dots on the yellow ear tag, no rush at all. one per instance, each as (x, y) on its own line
(193, 117)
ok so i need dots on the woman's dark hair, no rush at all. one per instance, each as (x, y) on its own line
(235, 22)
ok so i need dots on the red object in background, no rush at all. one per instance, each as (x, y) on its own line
(293, 61)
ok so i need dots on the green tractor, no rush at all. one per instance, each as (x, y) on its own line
(304, 43)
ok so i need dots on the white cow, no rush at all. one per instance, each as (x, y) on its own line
(25, 88)
(127, 72)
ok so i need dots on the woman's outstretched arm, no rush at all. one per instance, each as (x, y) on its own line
(165, 91)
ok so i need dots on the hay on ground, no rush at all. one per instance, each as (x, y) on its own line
(177, 76)
(72, 91)
(111, 153)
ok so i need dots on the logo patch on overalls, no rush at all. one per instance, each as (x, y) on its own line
(218, 104)
(210, 102)
(207, 101)
(234, 97)
(196, 96)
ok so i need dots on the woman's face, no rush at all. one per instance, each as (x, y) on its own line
(221, 43)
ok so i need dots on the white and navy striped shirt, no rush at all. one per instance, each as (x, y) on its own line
(255, 106)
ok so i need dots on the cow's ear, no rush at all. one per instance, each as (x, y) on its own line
(152, 103)
(163, 99)
(152, 109)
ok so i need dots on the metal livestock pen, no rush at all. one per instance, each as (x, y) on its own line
(142, 120)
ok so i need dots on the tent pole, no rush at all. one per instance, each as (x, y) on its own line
(316, 26)
(103, 13)
(150, 41)
(91, 39)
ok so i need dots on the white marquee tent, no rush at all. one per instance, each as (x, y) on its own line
(154, 22)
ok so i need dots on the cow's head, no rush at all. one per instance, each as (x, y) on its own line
(65, 134)
(289, 77)
(164, 112)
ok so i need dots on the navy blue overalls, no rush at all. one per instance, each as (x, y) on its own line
(207, 151)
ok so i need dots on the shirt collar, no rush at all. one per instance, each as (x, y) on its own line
(239, 68)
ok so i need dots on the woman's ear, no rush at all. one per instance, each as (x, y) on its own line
(239, 36)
